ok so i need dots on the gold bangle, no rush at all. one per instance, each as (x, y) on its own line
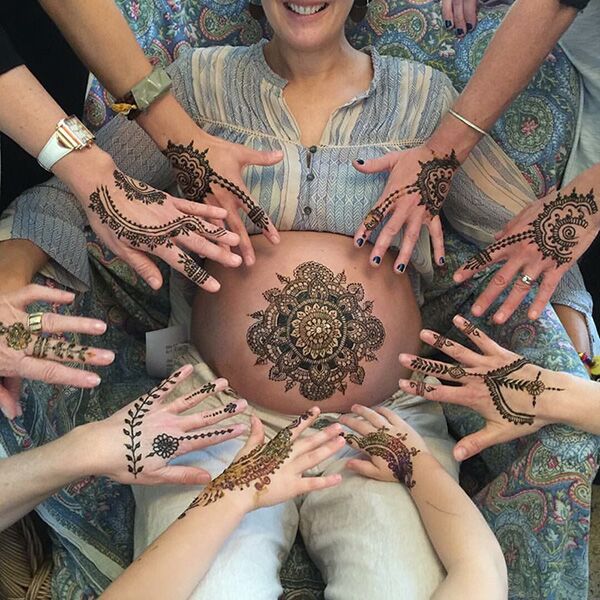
(467, 122)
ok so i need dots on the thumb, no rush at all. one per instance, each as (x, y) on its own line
(476, 442)
(256, 437)
(263, 158)
(9, 398)
(375, 165)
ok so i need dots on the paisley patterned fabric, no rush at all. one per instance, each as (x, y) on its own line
(537, 130)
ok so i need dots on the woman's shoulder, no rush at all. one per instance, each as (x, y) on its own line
(218, 57)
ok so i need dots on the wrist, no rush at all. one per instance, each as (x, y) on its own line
(424, 465)
(452, 134)
(570, 405)
(80, 448)
(81, 164)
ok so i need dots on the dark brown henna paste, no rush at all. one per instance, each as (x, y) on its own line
(193, 271)
(377, 214)
(315, 332)
(392, 449)
(46, 347)
(470, 329)
(434, 368)
(165, 445)
(195, 176)
(420, 387)
(441, 341)
(17, 336)
(555, 231)
(138, 190)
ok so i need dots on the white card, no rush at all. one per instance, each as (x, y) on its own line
(160, 349)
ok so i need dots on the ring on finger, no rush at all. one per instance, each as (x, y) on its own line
(34, 322)
(527, 280)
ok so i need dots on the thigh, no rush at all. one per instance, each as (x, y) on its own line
(367, 522)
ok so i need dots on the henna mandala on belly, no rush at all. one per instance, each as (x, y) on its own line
(315, 332)
(253, 468)
(392, 449)
(195, 176)
(165, 445)
(138, 190)
(17, 336)
(138, 234)
(555, 231)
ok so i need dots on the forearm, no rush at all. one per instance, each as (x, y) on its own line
(462, 539)
(174, 564)
(20, 260)
(528, 33)
(28, 478)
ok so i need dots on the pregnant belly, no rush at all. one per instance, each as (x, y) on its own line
(311, 323)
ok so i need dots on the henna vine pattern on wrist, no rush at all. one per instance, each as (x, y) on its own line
(18, 337)
(254, 467)
(555, 231)
(195, 176)
(316, 331)
(134, 419)
(138, 190)
(165, 445)
(392, 449)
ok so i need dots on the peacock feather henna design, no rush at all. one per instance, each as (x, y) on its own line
(392, 449)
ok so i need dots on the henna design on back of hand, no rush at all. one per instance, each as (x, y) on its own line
(138, 190)
(392, 449)
(195, 176)
(555, 231)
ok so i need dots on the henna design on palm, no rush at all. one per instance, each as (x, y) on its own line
(555, 231)
(392, 449)
(165, 445)
(195, 177)
(138, 190)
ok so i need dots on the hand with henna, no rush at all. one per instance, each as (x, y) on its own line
(133, 220)
(390, 442)
(514, 396)
(267, 474)
(418, 183)
(136, 444)
(31, 346)
(209, 170)
(544, 241)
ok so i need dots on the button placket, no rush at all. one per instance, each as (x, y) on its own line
(310, 176)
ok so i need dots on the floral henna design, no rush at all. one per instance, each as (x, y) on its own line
(165, 445)
(252, 468)
(134, 419)
(18, 337)
(195, 176)
(137, 190)
(392, 449)
(315, 331)
(555, 231)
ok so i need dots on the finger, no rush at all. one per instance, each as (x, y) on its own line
(198, 395)
(447, 14)
(498, 283)
(451, 348)
(389, 231)
(304, 421)
(390, 415)
(182, 475)
(199, 209)
(53, 323)
(63, 351)
(375, 216)
(261, 158)
(361, 426)
(470, 14)
(370, 415)
(167, 384)
(211, 417)
(476, 442)
(40, 293)
(205, 228)
(375, 165)
(318, 455)
(412, 232)
(246, 249)
(436, 234)
(202, 246)
(365, 468)
(545, 290)
(9, 402)
(518, 293)
(485, 343)
(438, 369)
(186, 265)
(144, 266)
(460, 25)
(312, 484)
(55, 373)
(310, 442)
(197, 439)
(256, 437)
(451, 394)
(482, 260)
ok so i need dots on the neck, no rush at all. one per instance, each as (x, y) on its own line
(310, 66)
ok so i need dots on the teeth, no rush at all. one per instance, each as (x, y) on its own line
(305, 10)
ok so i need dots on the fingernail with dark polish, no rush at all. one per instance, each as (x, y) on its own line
(377, 259)
(448, 24)
(442, 261)
(469, 27)
(459, 32)
(360, 161)
(360, 242)
(401, 268)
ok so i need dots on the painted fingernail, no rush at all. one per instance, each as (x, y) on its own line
(469, 27)
(459, 32)
(360, 161)
(376, 260)
(460, 453)
(154, 283)
(448, 24)
(442, 261)
(360, 242)
(93, 379)
(401, 268)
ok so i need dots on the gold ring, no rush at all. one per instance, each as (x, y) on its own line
(34, 322)
(527, 280)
